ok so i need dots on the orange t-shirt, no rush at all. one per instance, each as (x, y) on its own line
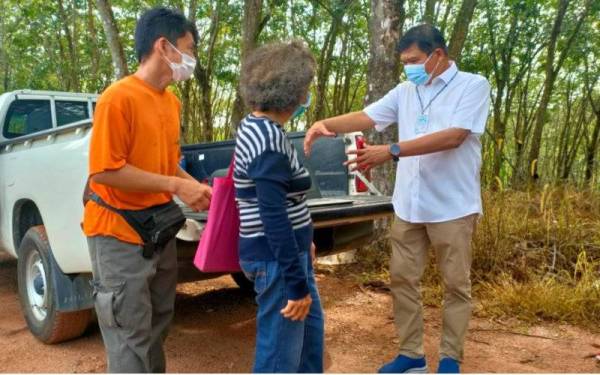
(134, 124)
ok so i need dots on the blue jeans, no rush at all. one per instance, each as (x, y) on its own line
(283, 345)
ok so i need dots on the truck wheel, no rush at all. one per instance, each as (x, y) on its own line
(242, 281)
(36, 293)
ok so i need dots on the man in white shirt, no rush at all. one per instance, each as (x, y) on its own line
(441, 113)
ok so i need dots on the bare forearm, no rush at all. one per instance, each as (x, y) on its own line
(348, 123)
(183, 174)
(372, 156)
(434, 142)
(134, 179)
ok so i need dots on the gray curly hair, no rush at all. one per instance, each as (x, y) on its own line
(276, 76)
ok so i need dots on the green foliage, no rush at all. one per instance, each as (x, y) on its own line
(507, 42)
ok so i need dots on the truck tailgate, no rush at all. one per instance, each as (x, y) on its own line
(360, 208)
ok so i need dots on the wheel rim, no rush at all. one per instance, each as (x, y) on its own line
(36, 285)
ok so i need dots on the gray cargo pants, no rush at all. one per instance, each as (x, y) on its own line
(134, 299)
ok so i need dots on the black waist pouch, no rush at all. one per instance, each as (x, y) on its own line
(156, 225)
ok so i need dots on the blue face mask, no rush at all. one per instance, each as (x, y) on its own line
(416, 73)
(302, 108)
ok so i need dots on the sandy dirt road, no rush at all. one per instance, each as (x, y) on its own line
(214, 329)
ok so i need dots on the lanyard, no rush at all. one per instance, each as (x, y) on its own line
(435, 96)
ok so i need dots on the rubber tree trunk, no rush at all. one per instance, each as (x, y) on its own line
(252, 26)
(385, 25)
(112, 36)
(461, 28)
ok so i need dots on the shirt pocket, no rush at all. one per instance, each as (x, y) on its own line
(440, 117)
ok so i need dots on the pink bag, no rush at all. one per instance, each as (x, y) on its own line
(218, 247)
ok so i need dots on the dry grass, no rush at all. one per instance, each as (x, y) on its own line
(531, 233)
(562, 297)
(536, 256)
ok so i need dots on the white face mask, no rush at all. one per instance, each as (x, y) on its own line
(182, 71)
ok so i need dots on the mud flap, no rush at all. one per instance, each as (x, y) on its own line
(71, 292)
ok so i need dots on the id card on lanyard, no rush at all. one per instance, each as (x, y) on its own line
(422, 122)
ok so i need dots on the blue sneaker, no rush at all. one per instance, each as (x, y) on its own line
(448, 366)
(404, 364)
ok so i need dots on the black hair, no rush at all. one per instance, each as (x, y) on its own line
(161, 22)
(426, 37)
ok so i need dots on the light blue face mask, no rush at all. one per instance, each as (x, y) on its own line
(302, 108)
(416, 73)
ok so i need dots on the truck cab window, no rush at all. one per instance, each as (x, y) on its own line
(26, 117)
(68, 112)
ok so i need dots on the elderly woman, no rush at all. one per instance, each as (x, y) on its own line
(276, 229)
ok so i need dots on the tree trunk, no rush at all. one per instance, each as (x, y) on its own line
(251, 28)
(551, 74)
(519, 132)
(573, 147)
(443, 24)
(112, 36)
(186, 121)
(73, 61)
(590, 80)
(499, 132)
(501, 55)
(205, 79)
(461, 28)
(324, 66)
(337, 9)
(524, 123)
(429, 14)
(65, 73)
(540, 117)
(592, 150)
(92, 40)
(552, 68)
(3, 56)
(563, 139)
(385, 25)
(339, 96)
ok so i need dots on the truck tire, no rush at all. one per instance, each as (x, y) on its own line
(36, 293)
(242, 281)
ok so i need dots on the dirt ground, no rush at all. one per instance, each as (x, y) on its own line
(214, 329)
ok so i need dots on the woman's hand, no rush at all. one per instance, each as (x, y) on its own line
(316, 131)
(297, 310)
(313, 252)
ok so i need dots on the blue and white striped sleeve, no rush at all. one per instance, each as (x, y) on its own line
(271, 171)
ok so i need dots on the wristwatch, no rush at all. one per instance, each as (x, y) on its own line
(395, 151)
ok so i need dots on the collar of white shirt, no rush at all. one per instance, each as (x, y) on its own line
(447, 74)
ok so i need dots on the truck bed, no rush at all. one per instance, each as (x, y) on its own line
(342, 221)
(338, 227)
(359, 208)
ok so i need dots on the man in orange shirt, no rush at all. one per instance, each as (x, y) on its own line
(134, 165)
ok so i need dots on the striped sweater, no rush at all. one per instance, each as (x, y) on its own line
(271, 186)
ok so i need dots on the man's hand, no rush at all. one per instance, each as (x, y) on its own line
(192, 193)
(313, 252)
(298, 309)
(316, 131)
(368, 157)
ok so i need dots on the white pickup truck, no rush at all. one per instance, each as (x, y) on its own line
(43, 168)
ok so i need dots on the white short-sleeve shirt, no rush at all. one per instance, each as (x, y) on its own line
(445, 185)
